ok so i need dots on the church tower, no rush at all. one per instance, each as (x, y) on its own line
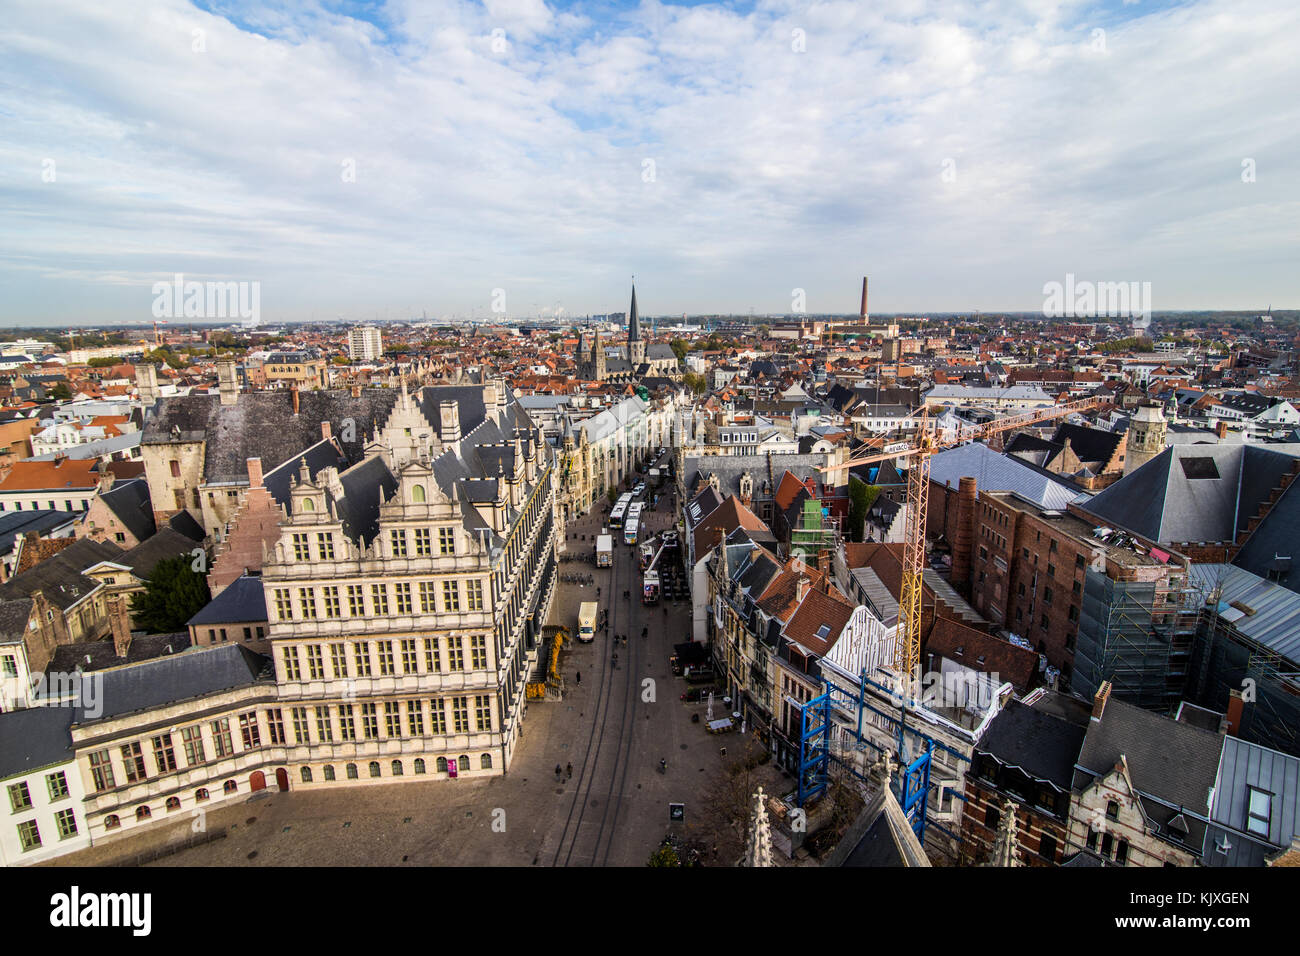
(598, 358)
(1146, 437)
(635, 344)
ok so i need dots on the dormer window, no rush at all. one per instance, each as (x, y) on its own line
(308, 505)
(417, 494)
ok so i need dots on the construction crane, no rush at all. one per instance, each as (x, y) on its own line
(907, 649)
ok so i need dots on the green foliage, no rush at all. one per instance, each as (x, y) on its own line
(861, 497)
(680, 348)
(341, 360)
(104, 361)
(664, 856)
(60, 392)
(696, 383)
(174, 593)
(1134, 343)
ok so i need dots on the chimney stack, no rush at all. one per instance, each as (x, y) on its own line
(964, 534)
(801, 588)
(254, 472)
(1221, 429)
(1099, 700)
(863, 314)
(326, 430)
(449, 413)
(120, 621)
(227, 382)
(146, 382)
(294, 391)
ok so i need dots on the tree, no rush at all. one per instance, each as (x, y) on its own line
(61, 392)
(664, 856)
(103, 361)
(861, 497)
(341, 360)
(695, 383)
(680, 348)
(174, 593)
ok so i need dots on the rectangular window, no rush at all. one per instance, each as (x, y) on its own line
(478, 651)
(347, 729)
(339, 659)
(455, 654)
(431, 662)
(379, 598)
(192, 741)
(248, 730)
(460, 714)
(451, 596)
(447, 540)
(386, 659)
(283, 605)
(10, 666)
(163, 754)
(483, 711)
(300, 550)
(398, 539)
(1259, 811)
(275, 726)
(222, 745)
(315, 662)
(361, 653)
(20, 797)
(324, 729)
(403, 593)
(370, 721)
(437, 718)
(57, 783)
(66, 820)
(427, 605)
(356, 604)
(300, 732)
(292, 669)
(392, 718)
(307, 601)
(29, 835)
(422, 546)
(410, 660)
(325, 544)
(475, 595)
(332, 604)
(415, 717)
(133, 758)
(101, 771)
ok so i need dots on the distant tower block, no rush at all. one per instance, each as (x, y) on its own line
(1146, 437)
(863, 314)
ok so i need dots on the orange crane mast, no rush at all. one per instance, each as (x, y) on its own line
(907, 649)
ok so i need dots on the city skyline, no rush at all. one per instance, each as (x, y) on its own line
(389, 159)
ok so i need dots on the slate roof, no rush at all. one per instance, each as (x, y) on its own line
(1193, 492)
(242, 601)
(35, 738)
(996, 472)
(144, 557)
(15, 524)
(59, 577)
(130, 503)
(91, 656)
(1044, 746)
(1244, 765)
(279, 481)
(1274, 541)
(1173, 762)
(14, 615)
(167, 680)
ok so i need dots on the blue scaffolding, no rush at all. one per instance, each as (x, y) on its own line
(814, 749)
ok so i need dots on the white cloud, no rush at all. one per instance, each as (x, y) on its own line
(773, 168)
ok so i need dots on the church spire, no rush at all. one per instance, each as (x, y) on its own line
(635, 344)
(758, 847)
(1004, 844)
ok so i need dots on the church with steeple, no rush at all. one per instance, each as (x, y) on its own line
(640, 361)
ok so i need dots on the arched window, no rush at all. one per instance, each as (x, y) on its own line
(442, 765)
(173, 803)
(306, 774)
(374, 768)
(419, 765)
(397, 768)
(329, 771)
(308, 504)
(143, 813)
(201, 794)
(230, 786)
(112, 822)
(417, 494)
(485, 762)
(1112, 810)
(464, 763)
(352, 771)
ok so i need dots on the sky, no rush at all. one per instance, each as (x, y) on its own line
(380, 160)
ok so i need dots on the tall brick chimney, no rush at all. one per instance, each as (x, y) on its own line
(862, 312)
(294, 392)
(119, 619)
(1099, 700)
(963, 535)
(254, 472)
(326, 430)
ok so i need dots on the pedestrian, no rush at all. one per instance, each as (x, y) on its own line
(568, 768)
(579, 676)
(558, 771)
